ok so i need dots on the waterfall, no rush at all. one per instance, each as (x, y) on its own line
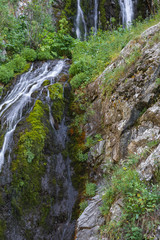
(56, 183)
(11, 109)
(127, 9)
(95, 15)
(81, 27)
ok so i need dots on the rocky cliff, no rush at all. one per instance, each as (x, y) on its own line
(125, 100)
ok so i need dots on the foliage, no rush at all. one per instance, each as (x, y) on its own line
(90, 189)
(17, 64)
(139, 199)
(83, 205)
(56, 95)
(29, 54)
(44, 55)
(82, 157)
(28, 167)
(78, 80)
(158, 81)
(5, 74)
(58, 44)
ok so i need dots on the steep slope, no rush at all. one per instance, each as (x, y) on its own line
(125, 104)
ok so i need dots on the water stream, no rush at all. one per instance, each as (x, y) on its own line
(81, 28)
(95, 15)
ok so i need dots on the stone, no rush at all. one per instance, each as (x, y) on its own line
(89, 222)
(97, 150)
(151, 31)
(146, 168)
(116, 210)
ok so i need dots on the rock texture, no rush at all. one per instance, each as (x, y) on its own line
(90, 221)
(127, 114)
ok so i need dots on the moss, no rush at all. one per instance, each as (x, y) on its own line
(56, 95)
(2, 229)
(1, 90)
(1, 140)
(25, 69)
(29, 166)
(103, 13)
(46, 83)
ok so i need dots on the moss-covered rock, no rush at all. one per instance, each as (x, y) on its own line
(56, 95)
(29, 165)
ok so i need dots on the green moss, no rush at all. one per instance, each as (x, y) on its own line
(1, 140)
(103, 13)
(56, 95)
(46, 83)
(29, 165)
(2, 229)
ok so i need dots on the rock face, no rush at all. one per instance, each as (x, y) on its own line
(90, 221)
(127, 114)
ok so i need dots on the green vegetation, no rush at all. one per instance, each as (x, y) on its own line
(2, 229)
(29, 54)
(28, 167)
(91, 189)
(83, 205)
(158, 81)
(56, 95)
(29, 37)
(140, 202)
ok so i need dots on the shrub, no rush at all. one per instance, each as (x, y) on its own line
(5, 74)
(17, 64)
(78, 80)
(83, 205)
(82, 65)
(44, 55)
(29, 54)
(91, 189)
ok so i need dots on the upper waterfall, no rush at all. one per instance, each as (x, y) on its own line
(80, 22)
(127, 9)
(95, 15)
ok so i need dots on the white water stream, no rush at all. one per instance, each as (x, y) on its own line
(95, 15)
(127, 9)
(80, 22)
(17, 101)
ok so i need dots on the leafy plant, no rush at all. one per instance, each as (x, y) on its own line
(82, 157)
(90, 189)
(83, 205)
(5, 74)
(29, 54)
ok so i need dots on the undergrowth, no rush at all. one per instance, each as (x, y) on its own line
(140, 204)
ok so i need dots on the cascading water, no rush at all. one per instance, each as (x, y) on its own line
(81, 27)
(14, 104)
(127, 10)
(13, 110)
(95, 15)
